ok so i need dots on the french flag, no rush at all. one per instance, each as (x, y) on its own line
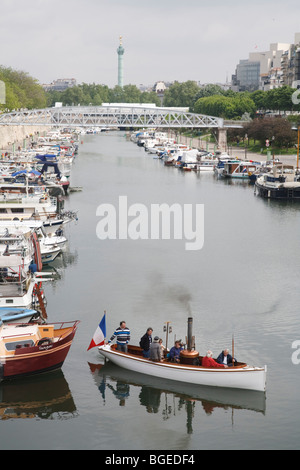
(99, 335)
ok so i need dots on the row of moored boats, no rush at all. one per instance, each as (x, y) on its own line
(33, 183)
(272, 179)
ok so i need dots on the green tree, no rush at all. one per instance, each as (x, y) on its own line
(226, 107)
(259, 99)
(150, 97)
(22, 91)
(277, 130)
(209, 90)
(181, 94)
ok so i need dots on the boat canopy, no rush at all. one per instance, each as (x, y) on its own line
(11, 314)
(26, 172)
(51, 165)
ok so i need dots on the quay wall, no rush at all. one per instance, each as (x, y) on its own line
(17, 135)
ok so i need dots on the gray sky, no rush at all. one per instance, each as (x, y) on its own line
(163, 39)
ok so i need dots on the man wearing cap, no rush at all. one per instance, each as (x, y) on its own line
(155, 350)
(175, 352)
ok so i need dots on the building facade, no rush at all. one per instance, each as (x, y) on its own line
(278, 66)
(247, 75)
(60, 84)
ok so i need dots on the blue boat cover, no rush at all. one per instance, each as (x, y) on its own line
(8, 314)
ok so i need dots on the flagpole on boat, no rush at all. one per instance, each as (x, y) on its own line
(105, 359)
(232, 350)
(167, 330)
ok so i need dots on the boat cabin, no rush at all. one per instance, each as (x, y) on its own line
(239, 169)
(18, 338)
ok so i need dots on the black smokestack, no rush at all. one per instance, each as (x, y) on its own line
(190, 333)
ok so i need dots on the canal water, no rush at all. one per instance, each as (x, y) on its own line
(243, 282)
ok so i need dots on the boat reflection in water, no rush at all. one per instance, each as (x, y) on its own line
(44, 396)
(58, 266)
(155, 392)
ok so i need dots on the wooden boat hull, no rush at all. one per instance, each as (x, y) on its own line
(37, 359)
(245, 377)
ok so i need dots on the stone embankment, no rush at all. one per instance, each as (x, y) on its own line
(18, 136)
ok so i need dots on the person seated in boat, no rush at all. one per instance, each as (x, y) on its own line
(208, 361)
(225, 358)
(145, 342)
(155, 350)
(122, 333)
(174, 354)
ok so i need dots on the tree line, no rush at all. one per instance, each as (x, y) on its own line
(92, 94)
(21, 90)
(215, 101)
(210, 99)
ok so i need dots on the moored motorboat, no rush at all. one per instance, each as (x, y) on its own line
(206, 162)
(282, 182)
(31, 348)
(189, 370)
(240, 169)
(219, 167)
(49, 253)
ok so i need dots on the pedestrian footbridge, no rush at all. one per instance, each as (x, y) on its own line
(113, 117)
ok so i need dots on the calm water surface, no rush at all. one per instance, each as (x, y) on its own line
(244, 281)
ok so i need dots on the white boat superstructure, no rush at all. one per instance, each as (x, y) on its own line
(16, 285)
(17, 206)
(16, 247)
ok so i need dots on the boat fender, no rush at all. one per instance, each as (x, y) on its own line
(45, 342)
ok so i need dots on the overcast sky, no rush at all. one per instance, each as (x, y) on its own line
(163, 39)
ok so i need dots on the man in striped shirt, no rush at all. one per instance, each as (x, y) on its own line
(122, 334)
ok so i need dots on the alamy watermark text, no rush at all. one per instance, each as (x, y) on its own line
(159, 222)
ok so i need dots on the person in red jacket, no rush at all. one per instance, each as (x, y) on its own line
(208, 361)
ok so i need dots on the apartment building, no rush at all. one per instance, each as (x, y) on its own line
(278, 66)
